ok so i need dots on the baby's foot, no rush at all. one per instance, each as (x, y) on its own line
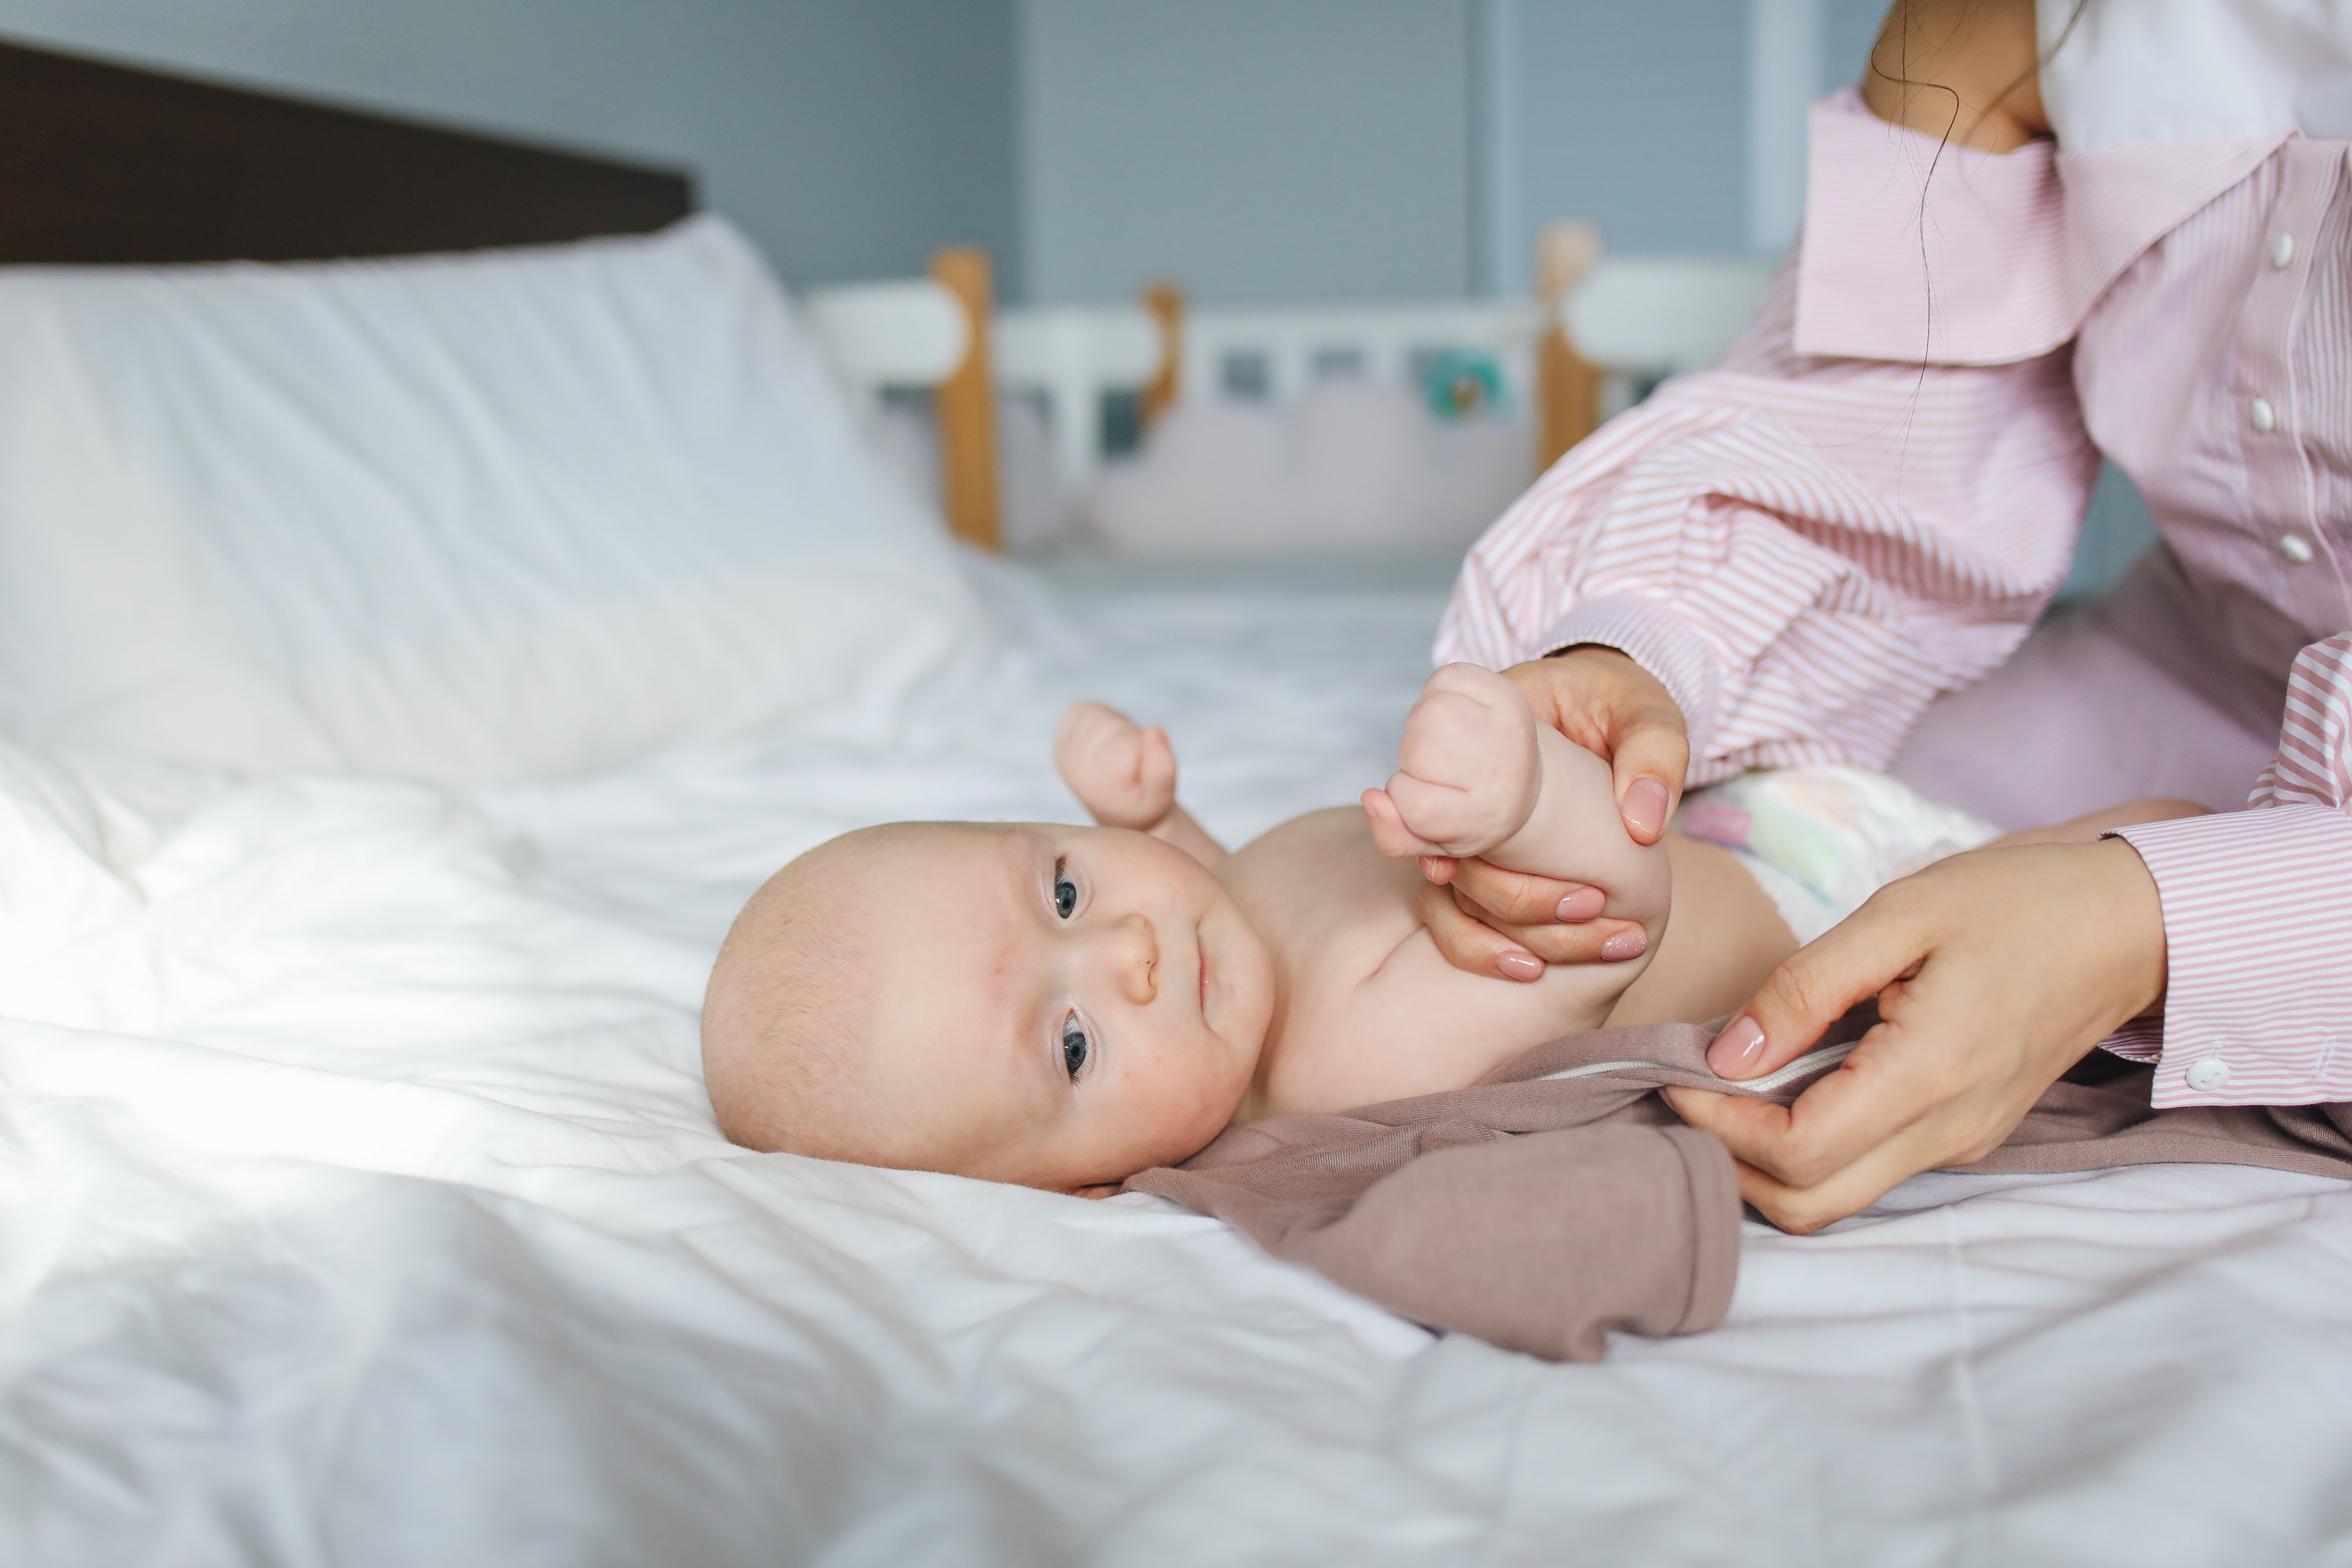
(1469, 771)
(1123, 774)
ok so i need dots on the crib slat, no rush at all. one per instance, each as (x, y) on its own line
(965, 403)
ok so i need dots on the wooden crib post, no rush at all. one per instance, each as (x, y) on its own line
(1165, 304)
(964, 404)
(1568, 386)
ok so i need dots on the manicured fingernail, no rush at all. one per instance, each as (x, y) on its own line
(1646, 808)
(1626, 944)
(1520, 967)
(1736, 1049)
(1581, 905)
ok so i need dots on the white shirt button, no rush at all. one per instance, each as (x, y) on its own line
(2261, 415)
(2296, 548)
(2281, 251)
(2208, 1073)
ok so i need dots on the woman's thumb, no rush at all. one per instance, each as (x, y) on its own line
(1811, 990)
(1647, 767)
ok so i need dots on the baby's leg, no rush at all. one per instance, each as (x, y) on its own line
(1478, 776)
(1725, 936)
(2087, 829)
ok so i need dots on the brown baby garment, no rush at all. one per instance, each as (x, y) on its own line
(1561, 1198)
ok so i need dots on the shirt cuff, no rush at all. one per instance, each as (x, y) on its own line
(2257, 918)
(1652, 636)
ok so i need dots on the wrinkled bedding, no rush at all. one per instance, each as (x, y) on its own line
(359, 1203)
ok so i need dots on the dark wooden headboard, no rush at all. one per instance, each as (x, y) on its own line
(102, 163)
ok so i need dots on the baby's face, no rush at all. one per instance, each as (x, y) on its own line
(1063, 1007)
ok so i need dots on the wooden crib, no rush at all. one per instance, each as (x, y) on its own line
(1600, 332)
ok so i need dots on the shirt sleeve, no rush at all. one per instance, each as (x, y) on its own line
(2258, 919)
(1805, 547)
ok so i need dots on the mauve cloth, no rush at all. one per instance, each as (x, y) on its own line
(1542, 1211)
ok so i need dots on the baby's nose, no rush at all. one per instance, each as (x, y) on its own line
(1133, 951)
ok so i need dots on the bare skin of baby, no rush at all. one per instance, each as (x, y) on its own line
(1066, 1007)
(1364, 1007)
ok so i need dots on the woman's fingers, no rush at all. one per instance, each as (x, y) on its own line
(1812, 989)
(1875, 1096)
(1520, 898)
(1995, 971)
(1459, 923)
(1601, 700)
(1864, 1143)
(1650, 756)
(1801, 1211)
(1471, 944)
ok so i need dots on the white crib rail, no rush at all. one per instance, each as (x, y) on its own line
(1276, 355)
(908, 332)
(1663, 315)
(1070, 357)
(1637, 319)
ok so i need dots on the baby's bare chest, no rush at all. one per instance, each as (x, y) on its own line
(1329, 905)
(1365, 1009)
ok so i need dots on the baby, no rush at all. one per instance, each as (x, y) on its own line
(1063, 1007)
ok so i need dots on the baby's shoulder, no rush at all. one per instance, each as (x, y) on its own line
(1363, 997)
(1317, 889)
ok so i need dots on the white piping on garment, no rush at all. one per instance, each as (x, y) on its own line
(1827, 1057)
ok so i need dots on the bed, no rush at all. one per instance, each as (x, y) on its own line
(361, 1203)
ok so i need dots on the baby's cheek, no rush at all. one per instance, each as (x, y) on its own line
(1182, 1105)
(1211, 1097)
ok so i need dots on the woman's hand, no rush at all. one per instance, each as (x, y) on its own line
(1995, 971)
(1492, 921)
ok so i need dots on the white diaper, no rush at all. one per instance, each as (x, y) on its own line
(1821, 840)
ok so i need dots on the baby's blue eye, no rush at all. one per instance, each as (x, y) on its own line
(1075, 1048)
(1065, 894)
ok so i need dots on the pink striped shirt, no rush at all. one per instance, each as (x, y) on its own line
(1872, 497)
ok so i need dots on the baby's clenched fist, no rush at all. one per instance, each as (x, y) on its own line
(1467, 770)
(1123, 774)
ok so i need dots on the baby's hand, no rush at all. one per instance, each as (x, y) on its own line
(1467, 772)
(1125, 776)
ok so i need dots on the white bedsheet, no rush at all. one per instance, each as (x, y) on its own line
(357, 1204)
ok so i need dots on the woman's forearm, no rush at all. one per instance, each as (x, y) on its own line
(1809, 542)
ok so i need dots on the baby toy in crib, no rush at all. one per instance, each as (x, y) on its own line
(1063, 1007)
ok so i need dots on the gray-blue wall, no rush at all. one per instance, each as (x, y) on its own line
(1634, 117)
(849, 137)
(1637, 117)
(1301, 150)
(1255, 150)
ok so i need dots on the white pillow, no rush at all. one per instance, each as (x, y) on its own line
(507, 515)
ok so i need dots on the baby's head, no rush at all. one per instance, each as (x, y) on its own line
(1057, 1006)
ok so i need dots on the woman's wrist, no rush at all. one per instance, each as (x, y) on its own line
(2142, 968)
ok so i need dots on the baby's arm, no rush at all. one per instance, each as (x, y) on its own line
(1125, 777)
(1372, 1010)
(1476, 775)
